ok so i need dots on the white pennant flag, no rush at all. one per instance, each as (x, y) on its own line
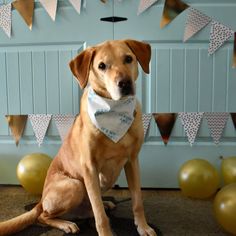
(51, 7)
(146, 118)
(196, 21)
(40, 125)
(5, 18)
(63, 123)
(191, 122)
(216, 122)
(76, 4)
(144, 5)
(218, 35)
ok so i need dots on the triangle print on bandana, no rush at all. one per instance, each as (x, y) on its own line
(196, 21)
(191, 122)
(216, 122)
(218, 35)
(40, 125)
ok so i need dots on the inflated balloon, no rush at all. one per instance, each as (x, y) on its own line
(31, 172)
(198, 179)
(225, 208)
(228, 169)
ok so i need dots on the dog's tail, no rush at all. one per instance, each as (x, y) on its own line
(20, 222)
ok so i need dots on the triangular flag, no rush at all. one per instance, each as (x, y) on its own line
(233, 116)
(26, 10)
(76, 4)
(234, 53)
(216, 122)
(191, 122)
(144, 5)
(17, 125)
(146, 118)
(40, 125)
(171, 10)
(5, 18)
(165, 122)
(63, 123)
(51, 7)
(196, 21)
(218, 35)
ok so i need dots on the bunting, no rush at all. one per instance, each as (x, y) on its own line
(218, 35)
(76, 4)
(196, 21)
(233, 117)
(17, 125)
(171, 10)
(216, 122)
(26, 10)
(50, 7)
(144, 5)
(5, 18)
(40, 125)
(146, 119)
(234, 52)
(63, 123)
(165, 122)
(191, 122)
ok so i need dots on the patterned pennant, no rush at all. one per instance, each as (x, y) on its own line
(218, 35)
(17, 125)
(165, 122)
(216, 122)
(40, 125)
(234, 55)
(233, 116)
(146, 118)
(50, 7)
(144, 5)
(76, 4)
(196, 21)
(191, 122)
(5, 18)
(171, 10)
(26, 10)
(63, 123)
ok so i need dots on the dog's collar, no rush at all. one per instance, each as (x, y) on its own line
(113, 118)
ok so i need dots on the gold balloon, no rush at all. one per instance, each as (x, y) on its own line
(31, 172)
(225, 208)
(198, 179)
(228, 169)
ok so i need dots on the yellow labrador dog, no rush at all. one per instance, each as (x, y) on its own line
(105, 137)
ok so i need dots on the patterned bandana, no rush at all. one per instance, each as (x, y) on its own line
(113, 118)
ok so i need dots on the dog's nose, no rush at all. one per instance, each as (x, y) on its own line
(125, 87)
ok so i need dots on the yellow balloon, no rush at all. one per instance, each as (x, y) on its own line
(31, 172)
(228, 169)
(225, 208)
(198, 179)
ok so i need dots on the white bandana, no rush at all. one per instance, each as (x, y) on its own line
(113, 118)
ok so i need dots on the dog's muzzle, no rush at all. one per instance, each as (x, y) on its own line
(126, 87)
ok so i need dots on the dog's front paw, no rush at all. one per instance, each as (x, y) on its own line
(146, 230)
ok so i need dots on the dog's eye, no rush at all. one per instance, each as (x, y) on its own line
(102, 66)
(128, 59)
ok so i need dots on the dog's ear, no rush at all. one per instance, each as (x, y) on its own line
(142, 52)
(80, 66)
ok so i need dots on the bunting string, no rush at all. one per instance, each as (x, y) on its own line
(165, 123)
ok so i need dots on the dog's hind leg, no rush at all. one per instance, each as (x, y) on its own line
(60, 196)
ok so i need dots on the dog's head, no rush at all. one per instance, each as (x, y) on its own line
(112, 67)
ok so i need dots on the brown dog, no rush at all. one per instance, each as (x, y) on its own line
(88, 162)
